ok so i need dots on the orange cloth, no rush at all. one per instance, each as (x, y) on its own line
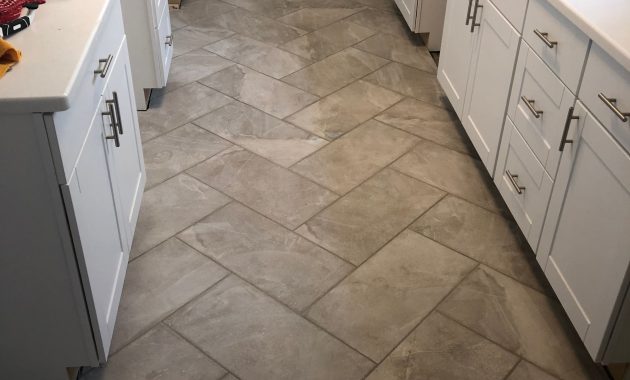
(9, 56)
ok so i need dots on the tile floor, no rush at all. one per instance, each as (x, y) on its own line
(314, 210)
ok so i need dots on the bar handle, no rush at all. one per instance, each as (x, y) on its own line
(112, 124)
(106, 63)
(530, 104)
(612, 104)
(474, 17)
(545, 38)
(567, 125)
(513, 178)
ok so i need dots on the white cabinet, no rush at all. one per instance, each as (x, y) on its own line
(425, 16)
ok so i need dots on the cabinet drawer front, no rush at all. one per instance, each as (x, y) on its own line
(513, 10)
(557, 41)
(165, 41)
(523, 183)
(606, 77)
(539, 105)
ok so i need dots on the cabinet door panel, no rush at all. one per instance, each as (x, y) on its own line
(408, 8)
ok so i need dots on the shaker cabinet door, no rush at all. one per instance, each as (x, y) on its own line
(409, 9)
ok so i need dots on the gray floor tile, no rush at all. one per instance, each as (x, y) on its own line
(267, 188)
(257, 338)
(260, 133)
(379, 4)
(190, 38)
(520, 319)
(170, 207)
(278, 261)
(194, 10)
(527, 371)
(158, 283)
(440, 349)
(265, 93)
(381, 20)
(404, 50)
(316, 18)
(158, 354)
(365, 219)
(335, 72)
(384, 299)
(269, 8)
(178, 150)
(356, 156)
(343, 110)
(193, 66)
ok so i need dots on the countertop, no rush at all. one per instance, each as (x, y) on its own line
(54, 48)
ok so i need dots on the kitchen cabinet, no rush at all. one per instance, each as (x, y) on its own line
(425, 16)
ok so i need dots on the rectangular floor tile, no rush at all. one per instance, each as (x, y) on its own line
(316, 18)
(269, 189)
(257, 338)
(193, 66)
(259, 56)
(382, 20)
(194, 10)
(365, 219)
(191, 38)
(452, 171)
(527, 371)
(178, 150)
(375, 307)
(269, 8)
(260, 133)
(411, 52)
(278, 261)
(440, 349)
(258, 90)
(256, 26)
(343, 110)
(335, 72)
(170, 207)
(520, 319)
(356, 156)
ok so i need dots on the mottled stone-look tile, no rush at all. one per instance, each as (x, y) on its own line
(259, 56)
(176, 108)
(170, 207)
(269, 8)
(257, 338)
(335, 72)
(260, 133)
(527, 371)
(160, 354)
(328, 40)
(276, 260)
(482, 235)
(452, 171)
(399, 49)
(343, 110)
(440, 349)
(520, 319)
(365, 219)
(258, 90)
(191, 38)
(269, 189)
(316, 18)
(429, 122)
(382, 21)
(178, 150)
(375, 307)
(158, 283)
(193, 66)
(356, 156)
(411, 82)
(195, 10)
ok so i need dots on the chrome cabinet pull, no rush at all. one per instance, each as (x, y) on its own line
(468, 16)
(513, 177)
(112, 124)
(545, 38)
(612, 104)
(474, 17)
(169, 40)
(102, 71)
(116, 105)
(567, 124)
(530, 104)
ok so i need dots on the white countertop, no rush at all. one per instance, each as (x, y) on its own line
(53, 47)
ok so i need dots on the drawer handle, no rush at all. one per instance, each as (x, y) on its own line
(545, 38)
(102, 71)
(117, 117)
(612, 104)
(530, 104)
(169, 40)
(468, 16)
(112, 124)
(513, 177)
(474, 17)
(567, 124)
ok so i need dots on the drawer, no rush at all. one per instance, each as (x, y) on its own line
(71, 126)
(539, 105)
(557, 41)
(513, 10)
(165, 40)
(603, 75)
(523, 183)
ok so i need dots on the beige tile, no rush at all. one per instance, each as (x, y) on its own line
(411, 52)
(527, 371)
(276, 260)
(267, 188)
(256, 338)
(258, 90)
(484, 236)
(260, 133)
(158, 283)
(335, 72)
(382, 20)
(454, 172)
(440, 349)
(193, 66)
(343, 110)
(268, 8)
(411, 82)
(355, 157)
(429, 122)
(328, 40)
(259, 56)
(190, 38)
(522, 320)
(379, 4)
(375, 307)
(365, 219)
(316, 18)
(195, 10)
